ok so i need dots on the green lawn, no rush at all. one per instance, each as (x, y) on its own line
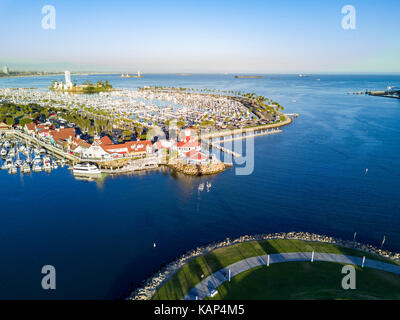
(306, 280)
(190, 274)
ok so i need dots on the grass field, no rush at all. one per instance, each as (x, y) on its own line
(190, 274)
(305, 280)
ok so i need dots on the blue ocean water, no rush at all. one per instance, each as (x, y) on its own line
(312, 177)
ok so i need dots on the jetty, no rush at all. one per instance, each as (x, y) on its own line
(390, 92)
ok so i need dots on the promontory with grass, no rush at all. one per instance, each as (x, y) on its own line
(279, 266)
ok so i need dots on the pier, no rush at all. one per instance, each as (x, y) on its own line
(217, 144)
(135, 165)
(135, 162)
(223, 149)
(34, 141)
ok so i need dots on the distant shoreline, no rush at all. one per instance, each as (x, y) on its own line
(56, 74)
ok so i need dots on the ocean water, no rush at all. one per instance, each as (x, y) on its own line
(312, 177)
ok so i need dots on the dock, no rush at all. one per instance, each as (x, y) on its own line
(223, 149)
(217, 144)
(135, 165)
(57, 151)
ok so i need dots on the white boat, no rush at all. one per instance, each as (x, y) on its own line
(37, 168)
(18, 162)
(86, 169)
(13, 169)
(54, 165)
(11, 153)
(26, 168)
(3, 152)
(37, 159)
(201, 187)
(47, 166)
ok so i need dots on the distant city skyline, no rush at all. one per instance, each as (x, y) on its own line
(201, 37)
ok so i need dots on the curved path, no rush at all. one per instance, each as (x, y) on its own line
(202, 290)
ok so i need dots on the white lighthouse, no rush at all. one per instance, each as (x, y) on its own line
(68, 78)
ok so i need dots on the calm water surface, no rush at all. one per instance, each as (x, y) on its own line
(311, 177)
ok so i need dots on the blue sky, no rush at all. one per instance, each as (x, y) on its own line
(278, 36)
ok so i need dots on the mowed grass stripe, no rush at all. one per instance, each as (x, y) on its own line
(305, 281)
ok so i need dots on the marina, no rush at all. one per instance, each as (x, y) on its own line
(25, 156)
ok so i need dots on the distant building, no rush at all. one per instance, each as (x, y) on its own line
(6, 70)
(68, 78)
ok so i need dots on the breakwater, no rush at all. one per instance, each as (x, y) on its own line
(151, 285)
(198, 169)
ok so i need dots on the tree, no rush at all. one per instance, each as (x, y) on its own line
(24, 121)
(10, 121)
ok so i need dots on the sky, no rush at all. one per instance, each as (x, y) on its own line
(167, 36)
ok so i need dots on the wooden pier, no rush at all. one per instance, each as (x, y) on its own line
(37, 142)
(217, 144)
(135, 165)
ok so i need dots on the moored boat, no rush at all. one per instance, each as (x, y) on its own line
(86, 169)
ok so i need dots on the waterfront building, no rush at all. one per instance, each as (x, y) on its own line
(67, 77)
(189, 143)
(6, 70)
(3, 126)
(64, 135)
(95, 150)
(78, 145)
(196, 157)
(129, 148)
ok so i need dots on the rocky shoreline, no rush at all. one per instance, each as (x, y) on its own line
(198, 170)
(151, 285)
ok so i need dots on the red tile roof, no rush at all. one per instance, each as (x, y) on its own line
(196, 155)
(105, 141)
(190, 144)
(128, 147)
(63, 134)
(31, 126)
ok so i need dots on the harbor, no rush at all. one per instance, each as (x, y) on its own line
(25, 156)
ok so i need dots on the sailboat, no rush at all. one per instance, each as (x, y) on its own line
(201, 187)
(18, 162)
(208, 186)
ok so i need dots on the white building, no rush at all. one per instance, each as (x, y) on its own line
(68, 82)
(6, 70)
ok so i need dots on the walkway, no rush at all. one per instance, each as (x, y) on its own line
(202, 290)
